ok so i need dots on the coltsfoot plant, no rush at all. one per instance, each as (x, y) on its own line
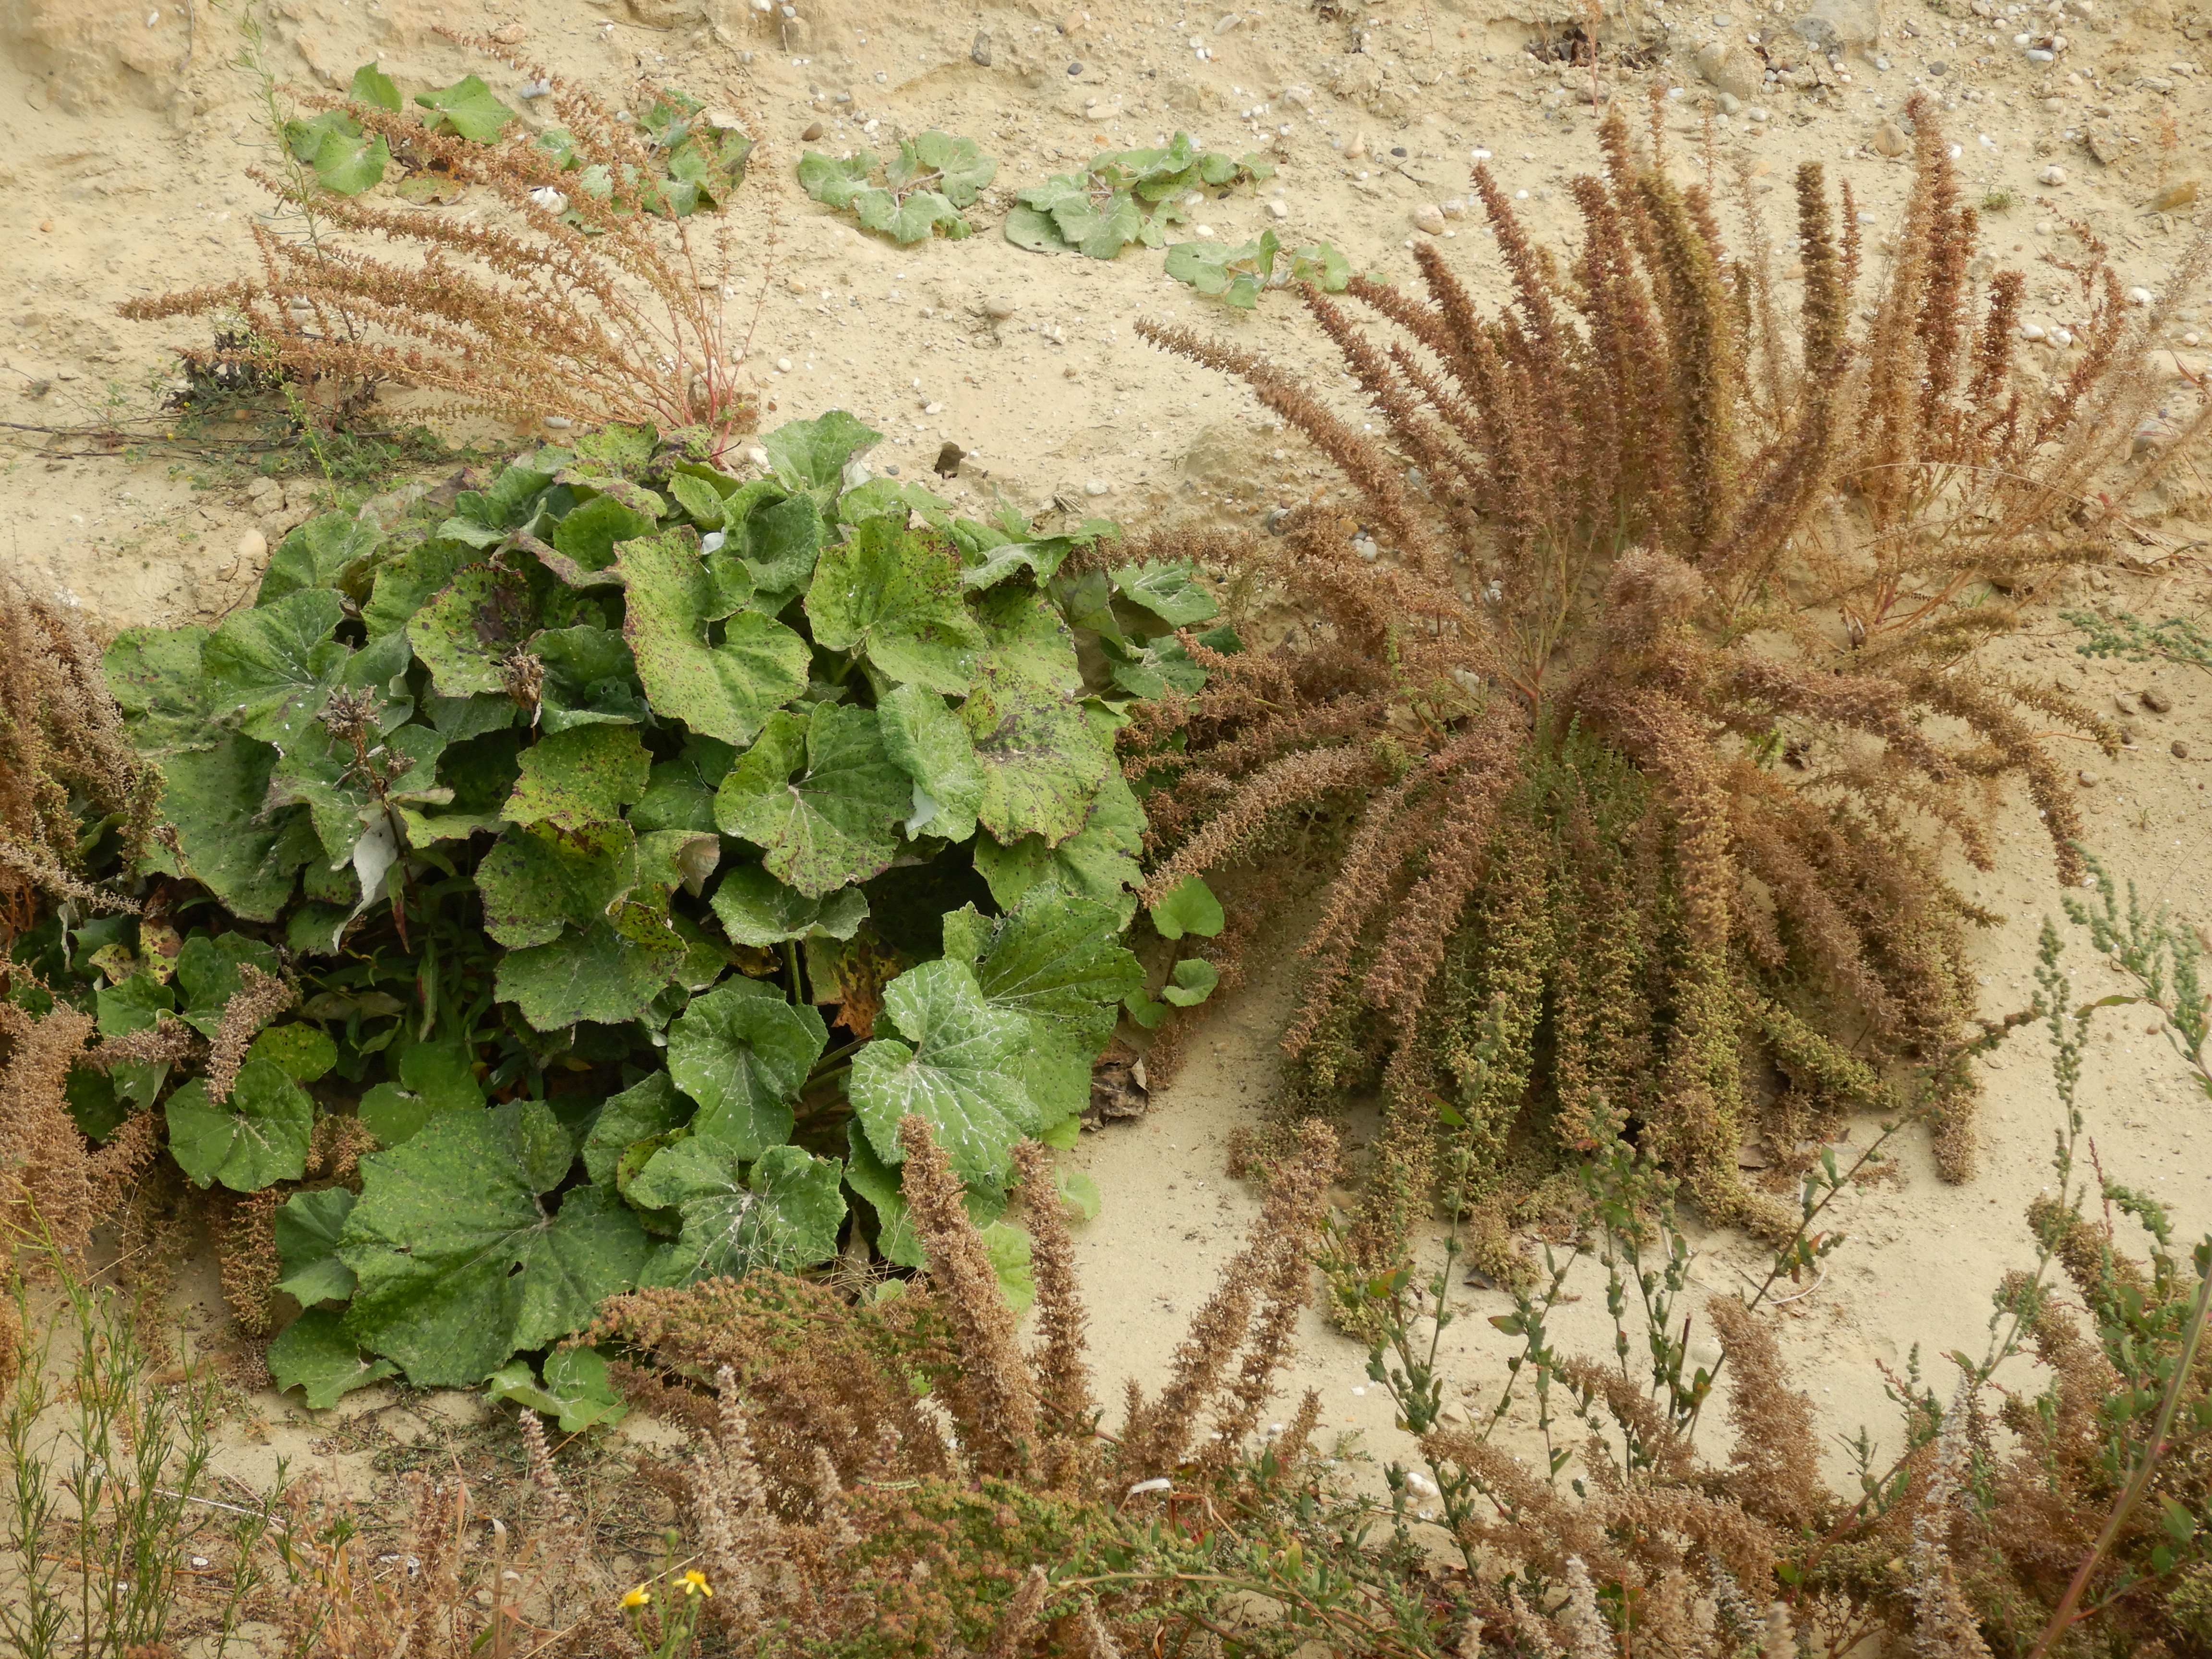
(1126, 196)
(1620, 703)
(576, 893)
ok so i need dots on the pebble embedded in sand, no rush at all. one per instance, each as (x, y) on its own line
(2089, 780)
(2155, 699)
(2179, 750)
(813, 131)
(1356, 150)
(1094, 487)
(253, 547)
(2052, 175)
(1430, 217)
(998, 308)
(1892, 139)
(510, 34)
(979, 53)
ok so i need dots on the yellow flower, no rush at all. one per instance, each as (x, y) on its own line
(636, 1597)
(695, 1583)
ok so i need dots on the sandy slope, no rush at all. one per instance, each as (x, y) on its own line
(122, 141)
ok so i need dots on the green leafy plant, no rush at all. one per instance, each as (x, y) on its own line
(2128, 638)
(1124, 196)
(1238, 273)
(689, 160)
(924, 187)
(611, 865)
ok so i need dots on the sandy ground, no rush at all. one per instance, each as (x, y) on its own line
(123, 135)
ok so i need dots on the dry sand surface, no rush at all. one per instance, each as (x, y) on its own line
(124, 139)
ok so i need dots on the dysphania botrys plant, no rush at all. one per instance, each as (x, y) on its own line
(579, 297)
(576, 892)
(1628, 742)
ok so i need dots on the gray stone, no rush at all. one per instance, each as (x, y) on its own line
(1723, 66)
(1849, 25)
(979, 53)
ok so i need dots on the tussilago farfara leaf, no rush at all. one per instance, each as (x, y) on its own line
(961, 1065)
(742, 1052)
(783, 1213)
(576, 1390)
(306, 1227)
(819, 796)
(756, 908)
(315, 1355)
(466, 107)
(461, 1263)
(646, 1110)
(725, 689)
(932, 746)
(1043, 764)
(330, 551)
(434, 1077)
(812, 455)
(895, 597)
(274, 666)
(255, 1138)
(579, 777)
(466, 634)
(591, 679)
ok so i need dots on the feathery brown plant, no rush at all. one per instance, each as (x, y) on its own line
(64, 764)
(1627, 698)
(915, 1521)
(563, 299)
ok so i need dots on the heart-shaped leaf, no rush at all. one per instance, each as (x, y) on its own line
(461, 1263)
(724, 690)
(742, 1053)
(960, 1067)
(933, 748)
(276, 665)
(316, 1355)
(574, 779)
(466, 107)
(895, 597)
(306, 1227)
(255, 1138)
(831, 824)
(1043, 764)
(784, 1213)
(757, 910)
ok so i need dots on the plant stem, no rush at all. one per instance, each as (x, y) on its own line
(2139, 1482)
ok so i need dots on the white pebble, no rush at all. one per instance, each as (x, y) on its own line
(783, 364)
(2062, 337)
(2189, 340)
(1094, 487)
(1429, 217)
(2053, 175)
(2031, 330)
(756, 455)
(550, 198)
(1279, 209)
(933, 409)
(559, 423)
(2138, 297)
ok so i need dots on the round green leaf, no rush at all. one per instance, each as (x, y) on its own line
(741, 1052)
(896, 598)
(961, 1068)
(1188, 906)
(306, 1227)
(831, 825)
(315, 1354)
(784, 1214)
(255, 1138)
(1043, 762)
(726, 691)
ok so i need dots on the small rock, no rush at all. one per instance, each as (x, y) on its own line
(1893, 140)
(1356, 150)
(1075, 22)
(2106, 142)
(1430, 217)
(2089, 780)
(2180, 195)
(1226, 21)
(2124, 702)
(1094, 487)
(979, 53)
(998, 308)
(2052, 175)
(510, 34)
(1279, 209)
(949, 459)
(1075, 69)
(2179, 750)
(253, 547)
(2155, 700)
(813, 131)
(261, 488)
(1730, 103)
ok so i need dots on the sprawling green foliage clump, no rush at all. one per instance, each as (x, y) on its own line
(622, 859)
(923, 189)
(1124, 196)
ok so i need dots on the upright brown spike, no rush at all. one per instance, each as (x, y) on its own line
(1824, 317)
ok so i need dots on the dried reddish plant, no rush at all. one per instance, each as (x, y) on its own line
(550, 299)
(1622, 704)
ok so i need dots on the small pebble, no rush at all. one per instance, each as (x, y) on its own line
(784, 363)
(510, 34)
(1279, 209)
(254, 547)
(2138, 297)
(1892, 140)
(998, 308)
(2179, 750)
(979, 53)
(1356, 150)
(2089, 778)
(1075, 69)
(813, 131)
(1430, 217)
(2155, 700)
(2052, 175)
(1094, 487)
